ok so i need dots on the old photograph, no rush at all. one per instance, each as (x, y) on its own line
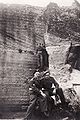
(39, 59)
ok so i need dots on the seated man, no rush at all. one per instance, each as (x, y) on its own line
(36, 94)
(41, 89)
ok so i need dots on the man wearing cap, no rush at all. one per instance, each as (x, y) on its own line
(49, 84)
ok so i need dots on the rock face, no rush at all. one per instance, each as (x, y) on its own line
(61, 30)
(20, 35)
(57, 49)
(22, 29)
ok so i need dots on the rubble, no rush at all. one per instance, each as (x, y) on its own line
(73, 99)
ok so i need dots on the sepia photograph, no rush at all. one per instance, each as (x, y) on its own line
(39, 59)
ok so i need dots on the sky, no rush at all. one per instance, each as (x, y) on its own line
(41, 3)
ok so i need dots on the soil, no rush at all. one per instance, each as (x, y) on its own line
(57, 113)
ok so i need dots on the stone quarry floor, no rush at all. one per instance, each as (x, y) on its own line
(58, 114)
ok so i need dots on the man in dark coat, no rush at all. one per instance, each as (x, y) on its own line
(49, 84)
(41, 89)
(43, 58)
(36, 94)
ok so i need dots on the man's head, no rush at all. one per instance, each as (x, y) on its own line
(47, 73)
(36, 74)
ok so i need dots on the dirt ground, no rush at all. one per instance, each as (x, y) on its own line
(57, 114)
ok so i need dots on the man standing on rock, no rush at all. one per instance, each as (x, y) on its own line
(43, 58)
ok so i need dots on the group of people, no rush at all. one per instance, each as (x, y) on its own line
(41, 88)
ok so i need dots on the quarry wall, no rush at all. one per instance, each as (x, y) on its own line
(19, 37)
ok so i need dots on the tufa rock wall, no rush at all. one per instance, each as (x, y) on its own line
(57, 49)
(18, 61)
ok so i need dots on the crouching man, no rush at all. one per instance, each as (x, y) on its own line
(51, 88)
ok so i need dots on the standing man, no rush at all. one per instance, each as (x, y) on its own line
(43, 58)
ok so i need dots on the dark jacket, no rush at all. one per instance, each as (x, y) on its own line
(47, 82)
(44, 82)
(35, 86)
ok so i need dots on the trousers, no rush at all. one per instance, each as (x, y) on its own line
(59, 92)
(33, 100)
